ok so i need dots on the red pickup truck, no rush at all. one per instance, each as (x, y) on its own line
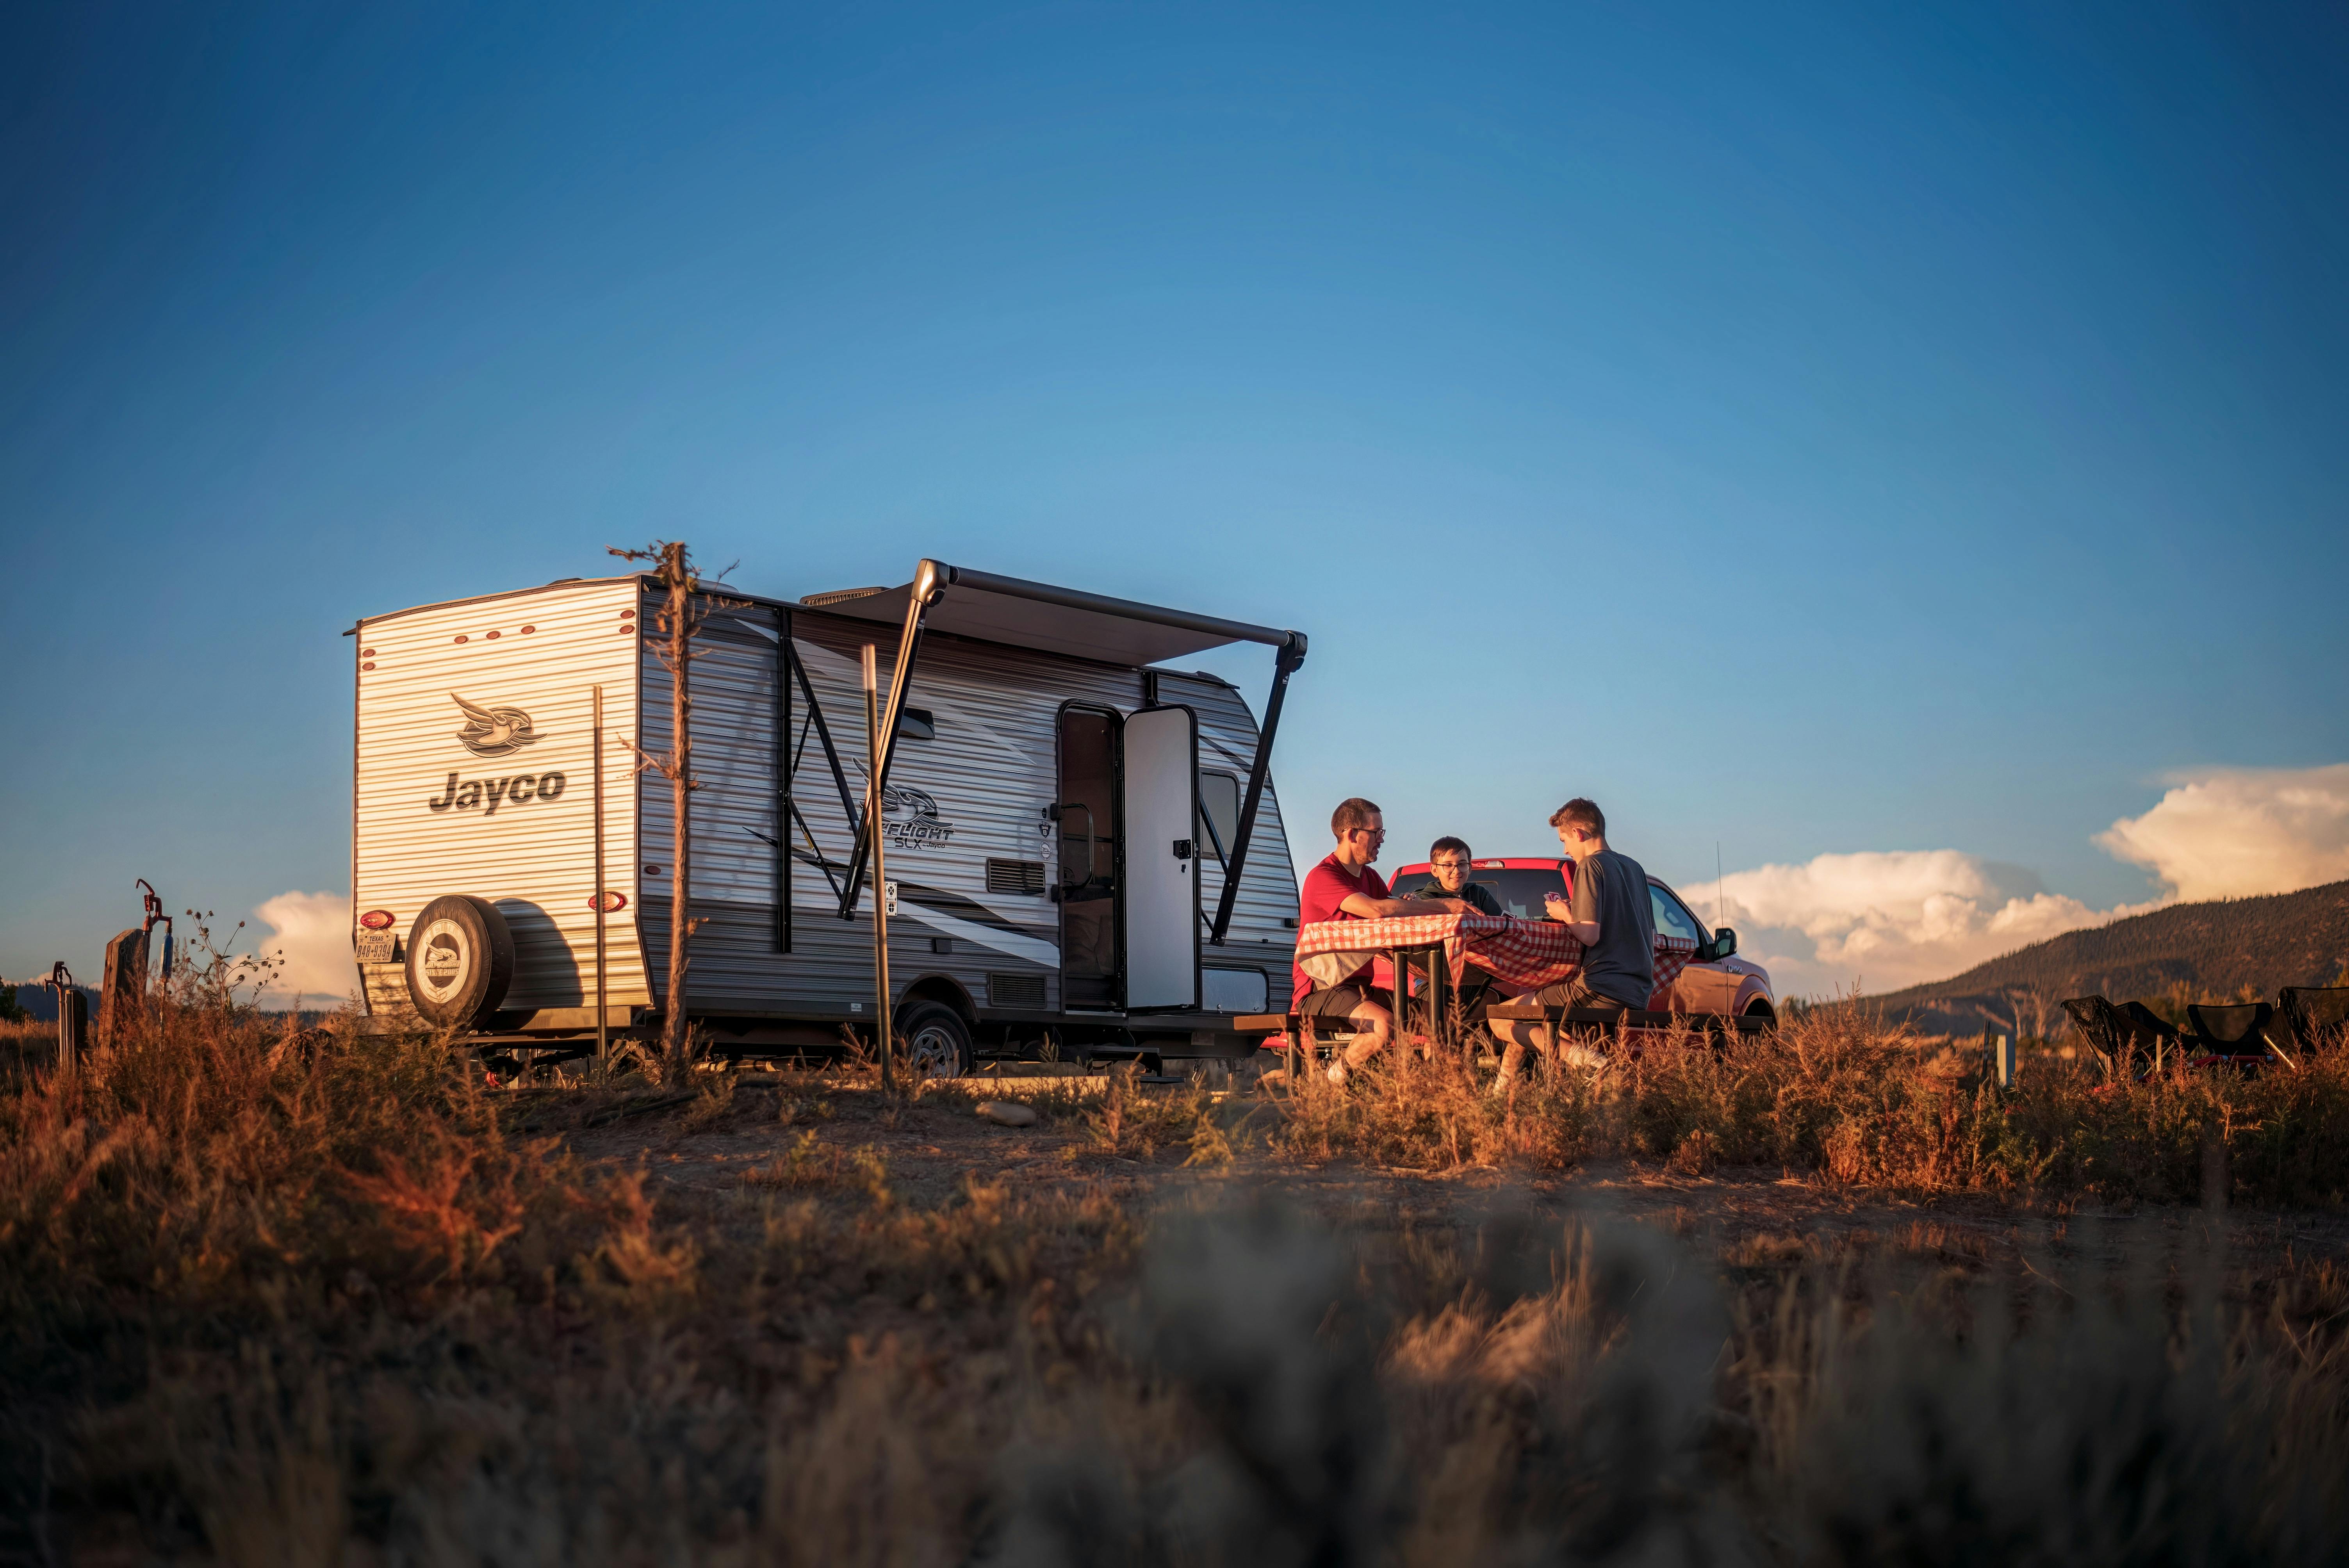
(1717, 982)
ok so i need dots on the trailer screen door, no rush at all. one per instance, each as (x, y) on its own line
(1162, 873)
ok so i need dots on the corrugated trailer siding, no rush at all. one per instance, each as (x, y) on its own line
(733, 960)
(975, 791)
(1228, 737)
(534, 859)
(964, 796)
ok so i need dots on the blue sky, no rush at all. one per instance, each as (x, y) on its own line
(1821, 430)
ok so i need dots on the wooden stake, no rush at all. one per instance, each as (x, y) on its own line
(603, 1033)
(880, 873)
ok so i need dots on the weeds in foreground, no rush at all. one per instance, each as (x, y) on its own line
(269, 1297)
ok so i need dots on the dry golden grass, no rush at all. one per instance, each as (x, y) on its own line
(1837, 1096)
(288, 1297)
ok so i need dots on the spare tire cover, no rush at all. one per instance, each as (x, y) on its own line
(459, 961)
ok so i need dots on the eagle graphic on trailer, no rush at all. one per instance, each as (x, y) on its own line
(492, 731)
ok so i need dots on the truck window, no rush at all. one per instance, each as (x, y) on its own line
(1672, 919)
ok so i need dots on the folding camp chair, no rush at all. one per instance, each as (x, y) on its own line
(2102, 1028)
(2310, 1016)
(2234, 1034)
(2138, 1039)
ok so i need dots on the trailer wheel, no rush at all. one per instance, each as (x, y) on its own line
(937, 1045)
(461, 959)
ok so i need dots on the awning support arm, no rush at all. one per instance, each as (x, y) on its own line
(929, 583)
(823, 733)
(1290, 655)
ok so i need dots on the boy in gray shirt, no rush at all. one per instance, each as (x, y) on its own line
(1608, 913)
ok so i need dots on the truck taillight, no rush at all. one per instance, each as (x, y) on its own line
(377, 920)
(609, 901)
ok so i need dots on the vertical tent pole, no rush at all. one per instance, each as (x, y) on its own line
(603, 1030)
(872, 837)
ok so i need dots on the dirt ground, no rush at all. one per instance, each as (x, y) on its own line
(936, 1145)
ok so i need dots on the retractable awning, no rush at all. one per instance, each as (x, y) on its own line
(1024, 614)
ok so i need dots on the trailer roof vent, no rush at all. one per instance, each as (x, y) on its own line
(841, 595)
(1015, 876)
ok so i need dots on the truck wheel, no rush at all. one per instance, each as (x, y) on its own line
(461, 959)
(938, 1045)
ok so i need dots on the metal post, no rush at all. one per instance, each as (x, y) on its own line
(2003, 1047)
(880, 886)
(73, 1017)
(603, 1031)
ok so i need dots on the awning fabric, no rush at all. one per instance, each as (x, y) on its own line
(1055, 620)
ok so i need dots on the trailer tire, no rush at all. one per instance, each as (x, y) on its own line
(461, 959)
(938, 1042)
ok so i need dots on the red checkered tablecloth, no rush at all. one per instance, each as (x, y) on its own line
(1526, 953)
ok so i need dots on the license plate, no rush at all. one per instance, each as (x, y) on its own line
(378, 947)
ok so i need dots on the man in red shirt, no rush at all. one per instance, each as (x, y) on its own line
(1344, 887)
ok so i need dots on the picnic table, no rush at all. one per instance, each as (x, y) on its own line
(1527, 953)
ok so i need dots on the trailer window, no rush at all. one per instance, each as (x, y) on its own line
(1219, 806)
(916, 724)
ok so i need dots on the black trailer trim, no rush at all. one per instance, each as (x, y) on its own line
(1284, 665)
(783, 840)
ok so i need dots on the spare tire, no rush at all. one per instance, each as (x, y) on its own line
(461, 959)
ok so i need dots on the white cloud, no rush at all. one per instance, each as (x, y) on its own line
(1893, 918)
(2240, 832)
(311, 933)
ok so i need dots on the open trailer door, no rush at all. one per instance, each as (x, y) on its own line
(1161, 904)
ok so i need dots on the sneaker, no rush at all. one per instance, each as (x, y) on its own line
(1501, 1088)
(1338, 1074)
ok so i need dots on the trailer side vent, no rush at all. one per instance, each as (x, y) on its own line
(1015, 876)
(1015, 990)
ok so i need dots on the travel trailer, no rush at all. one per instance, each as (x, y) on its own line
(1083, 852)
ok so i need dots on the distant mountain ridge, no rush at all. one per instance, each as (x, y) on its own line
(2284, 939)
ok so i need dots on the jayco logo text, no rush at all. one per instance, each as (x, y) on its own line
(464, 794)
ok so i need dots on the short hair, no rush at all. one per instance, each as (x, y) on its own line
(1582, 813)
(1448, 843)
(1352, 813)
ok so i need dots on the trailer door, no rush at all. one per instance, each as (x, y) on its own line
(1161, 904)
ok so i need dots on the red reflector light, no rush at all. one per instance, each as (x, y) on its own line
(526, 631)
(460, 636)
(625, 614)
(609, 901)
(377, 920)
(367, 652)
(652, 871)
(492, 636)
